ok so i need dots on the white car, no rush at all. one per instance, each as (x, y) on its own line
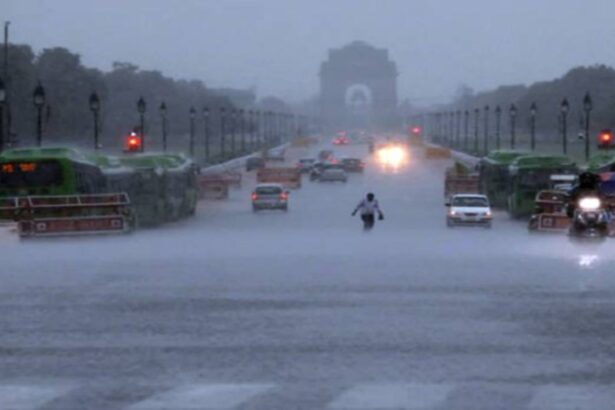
(468, 209)
(269, 196)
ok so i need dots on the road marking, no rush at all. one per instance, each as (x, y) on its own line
(573, 398)
(409, 396)
(29, 397)
(202, 397)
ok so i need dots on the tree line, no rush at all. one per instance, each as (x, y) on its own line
(548, 96)
(68, 84)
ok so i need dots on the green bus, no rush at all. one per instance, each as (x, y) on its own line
(173, 179)
(495, 176)
(48, 171)
(160, 188)
(530, 174)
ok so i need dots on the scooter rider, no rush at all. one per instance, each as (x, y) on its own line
(368, 207)
(589, 184)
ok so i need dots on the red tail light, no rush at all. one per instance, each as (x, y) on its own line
(254, 196)
(284, 196)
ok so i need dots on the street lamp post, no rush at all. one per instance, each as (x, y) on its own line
(163, 121)
(206, 132)
(512, 112)
(457, 128)
(565, 107)
(2, 103)
(451, 126)
(466, 129)
(242, 130)
(257, 128)
(251, 130)
(222, 131)
(486, 132)
(266, 127)
(141, 106)
(192, 115)
(233, 117)
(498, 125)
(39, 102)
(533, 110)
(587, 107)
(476, 119)
(95, 108)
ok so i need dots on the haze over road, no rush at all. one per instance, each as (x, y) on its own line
(302, 310)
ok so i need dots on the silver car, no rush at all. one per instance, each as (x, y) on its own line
(269, 196)
(333, 175)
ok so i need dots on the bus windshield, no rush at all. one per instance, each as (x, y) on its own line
(30, 174)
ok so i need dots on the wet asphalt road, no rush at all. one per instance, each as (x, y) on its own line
(235, 310)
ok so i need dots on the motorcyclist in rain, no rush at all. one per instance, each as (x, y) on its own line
(368, 208)
(589, 185)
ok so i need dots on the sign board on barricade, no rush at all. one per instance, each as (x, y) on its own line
(555, 222)
(58, 215)
(289, 177)
(437, 152)
(71, 226)
(213, 187)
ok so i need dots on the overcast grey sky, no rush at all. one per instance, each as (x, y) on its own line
(277, 45)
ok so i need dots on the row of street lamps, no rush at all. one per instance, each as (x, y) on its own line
(451, 130)
(263, 127)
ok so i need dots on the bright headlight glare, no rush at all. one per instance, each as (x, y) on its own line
(589, 204)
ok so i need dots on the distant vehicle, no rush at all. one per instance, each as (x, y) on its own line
(341, 141)
(530, 174)
(325, 155)
(305, 164)
(276, 154)
(468, 209)
(495, 176)
(590, 219)
(459, 179)
(333, 175)
(269, 196)
(254, 163)
(352, 165)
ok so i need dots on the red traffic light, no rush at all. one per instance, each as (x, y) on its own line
(606, 139)
(133, 142)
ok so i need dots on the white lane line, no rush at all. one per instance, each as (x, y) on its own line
(408, 396)
(574, 398)
(202, 397)
(29, 397)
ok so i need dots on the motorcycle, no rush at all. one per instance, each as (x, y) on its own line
(590, 220)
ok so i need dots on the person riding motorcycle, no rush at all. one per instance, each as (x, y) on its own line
(589, 185)
(368, 207)
(589, 217)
